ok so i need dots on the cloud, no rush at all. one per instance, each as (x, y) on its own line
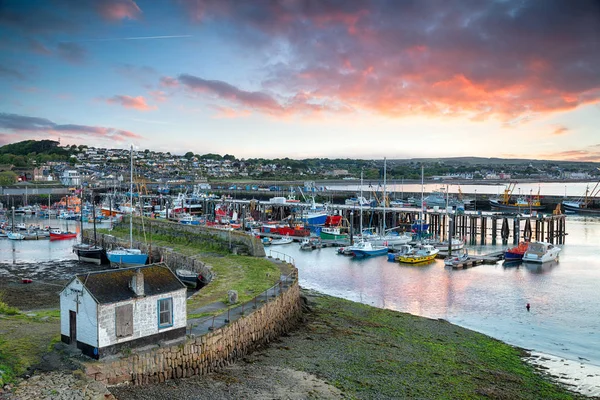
(226, 91)
(137, 103)
(167, 81)
(72, 52)
(241, 102)
(37, 126)
(560, 130)
(509, 60)
(573, 155)
(116, 10)
(10, 73)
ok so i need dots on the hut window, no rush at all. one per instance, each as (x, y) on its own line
(165, 313)
(124, 320)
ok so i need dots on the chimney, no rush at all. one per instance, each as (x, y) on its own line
(137, 283)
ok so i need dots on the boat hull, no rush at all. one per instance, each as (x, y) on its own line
(579, 210)
(509, 207)
(416, 259)
(62, 236)
(369, 253)
(91, 254)
(126, 260)
(333, 236)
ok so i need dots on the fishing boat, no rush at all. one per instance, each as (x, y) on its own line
(401, 251)
(57, 234)
(283, 240)
(367, 249)
(452, 261)
(310, 243)
(91, 253)
(585, 204)
(541, 252)
(516, 253)
(424, 254)
(190, 278)
(522, 203)
(332, 233)
(266, 241)
(130, 257)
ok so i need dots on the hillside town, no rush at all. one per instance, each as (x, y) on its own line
(102, 167)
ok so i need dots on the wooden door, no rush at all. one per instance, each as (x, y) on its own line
(73, 326)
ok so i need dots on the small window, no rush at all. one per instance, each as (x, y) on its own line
(165, 313)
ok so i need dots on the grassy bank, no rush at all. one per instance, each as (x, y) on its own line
(24, 339)
(248, 275)
(372, 353)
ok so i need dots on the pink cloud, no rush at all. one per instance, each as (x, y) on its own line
(560, 130)
(227, 112)
(137, 103)
(167, 81)
(116, 10)
(158, 95)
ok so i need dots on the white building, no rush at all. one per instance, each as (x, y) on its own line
(70, 178)
(103, 312)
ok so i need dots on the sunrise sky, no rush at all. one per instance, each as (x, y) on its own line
(306, 78)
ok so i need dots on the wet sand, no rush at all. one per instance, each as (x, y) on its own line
(48, 279)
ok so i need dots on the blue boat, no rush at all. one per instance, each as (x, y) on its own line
(123, 258)
(419, 226)
(366, 249)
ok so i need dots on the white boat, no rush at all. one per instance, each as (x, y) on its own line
(457, 244)
(455, 260)
(389, 239)
(15, 236)
(283, 240)
(541, 252)
(367, 249)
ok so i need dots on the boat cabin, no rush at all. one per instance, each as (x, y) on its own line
(105, 311)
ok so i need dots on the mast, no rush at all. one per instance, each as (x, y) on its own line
(384, 192)
(81, 212)
(94, 217)
(131, 198)
(422, 199)
(360, 201)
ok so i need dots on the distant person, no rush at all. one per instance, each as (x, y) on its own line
(527, 306)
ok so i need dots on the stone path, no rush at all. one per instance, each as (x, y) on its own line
(58, 385)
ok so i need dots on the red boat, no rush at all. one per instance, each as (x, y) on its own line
(59, 235)
(516, 253)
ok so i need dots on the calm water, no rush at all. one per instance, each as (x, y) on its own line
(564, 318)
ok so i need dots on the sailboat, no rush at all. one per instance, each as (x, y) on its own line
(91, 253)
(389, 237)
(130, 257)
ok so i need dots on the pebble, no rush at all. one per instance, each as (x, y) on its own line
(56, 385)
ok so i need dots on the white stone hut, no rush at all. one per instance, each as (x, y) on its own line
(103, 312)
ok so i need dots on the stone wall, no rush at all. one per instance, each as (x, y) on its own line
(204, 354)
(167, 255)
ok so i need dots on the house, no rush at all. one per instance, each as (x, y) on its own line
(103, 312)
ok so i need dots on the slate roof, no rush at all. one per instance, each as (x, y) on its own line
(112, 286)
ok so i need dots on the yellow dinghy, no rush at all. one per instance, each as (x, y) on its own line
(424, 254)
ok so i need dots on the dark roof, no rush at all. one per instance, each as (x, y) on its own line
(112, 286)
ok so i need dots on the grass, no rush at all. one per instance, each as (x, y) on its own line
(24, 339)
(372, 353)
(249, 276)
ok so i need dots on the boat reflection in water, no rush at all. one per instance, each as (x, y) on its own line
(540, 268)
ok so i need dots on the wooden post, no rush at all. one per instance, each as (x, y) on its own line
(516, 230)
(483, 229)
(494, 229)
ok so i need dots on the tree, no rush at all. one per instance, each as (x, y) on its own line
(189, 155)
(7, 178)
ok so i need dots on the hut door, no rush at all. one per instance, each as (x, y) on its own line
(73, 326)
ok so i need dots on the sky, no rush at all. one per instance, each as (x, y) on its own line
(306, 78)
